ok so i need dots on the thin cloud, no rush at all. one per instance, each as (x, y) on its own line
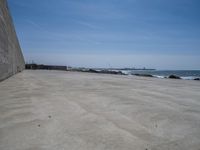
(35, 25)
(89, 25)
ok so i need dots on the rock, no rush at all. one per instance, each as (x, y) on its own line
(174, 77)
(102, 71)
(92, 71)
(197, 79)
(143, 75)
(111, 72)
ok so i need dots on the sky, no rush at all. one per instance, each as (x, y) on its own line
(160, 34)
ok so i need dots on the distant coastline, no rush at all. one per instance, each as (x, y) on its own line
(34, 66)
(141, 72)
(123, 68)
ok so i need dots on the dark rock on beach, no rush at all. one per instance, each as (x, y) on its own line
(174, 77)
(143, 75)
(197, 79)
(103, 71)
(111, 72)
(92, 71)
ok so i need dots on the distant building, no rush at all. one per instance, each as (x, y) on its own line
(45, 67)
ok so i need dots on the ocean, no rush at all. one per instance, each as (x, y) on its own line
(184, 74)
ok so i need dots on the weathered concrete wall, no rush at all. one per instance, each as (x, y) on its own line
(11, 57)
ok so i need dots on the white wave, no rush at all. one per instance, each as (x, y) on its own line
(126, 72)
(189, 78)
(158, 76)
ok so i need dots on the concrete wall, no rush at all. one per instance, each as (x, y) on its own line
(11, 57)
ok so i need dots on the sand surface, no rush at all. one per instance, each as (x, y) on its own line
(55, 110)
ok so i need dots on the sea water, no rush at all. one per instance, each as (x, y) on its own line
(184, 74)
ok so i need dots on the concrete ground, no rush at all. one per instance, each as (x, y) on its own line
(55, 110)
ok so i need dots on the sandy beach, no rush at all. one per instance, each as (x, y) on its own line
(57, 110)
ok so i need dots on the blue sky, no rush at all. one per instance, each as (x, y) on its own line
(161, 34)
